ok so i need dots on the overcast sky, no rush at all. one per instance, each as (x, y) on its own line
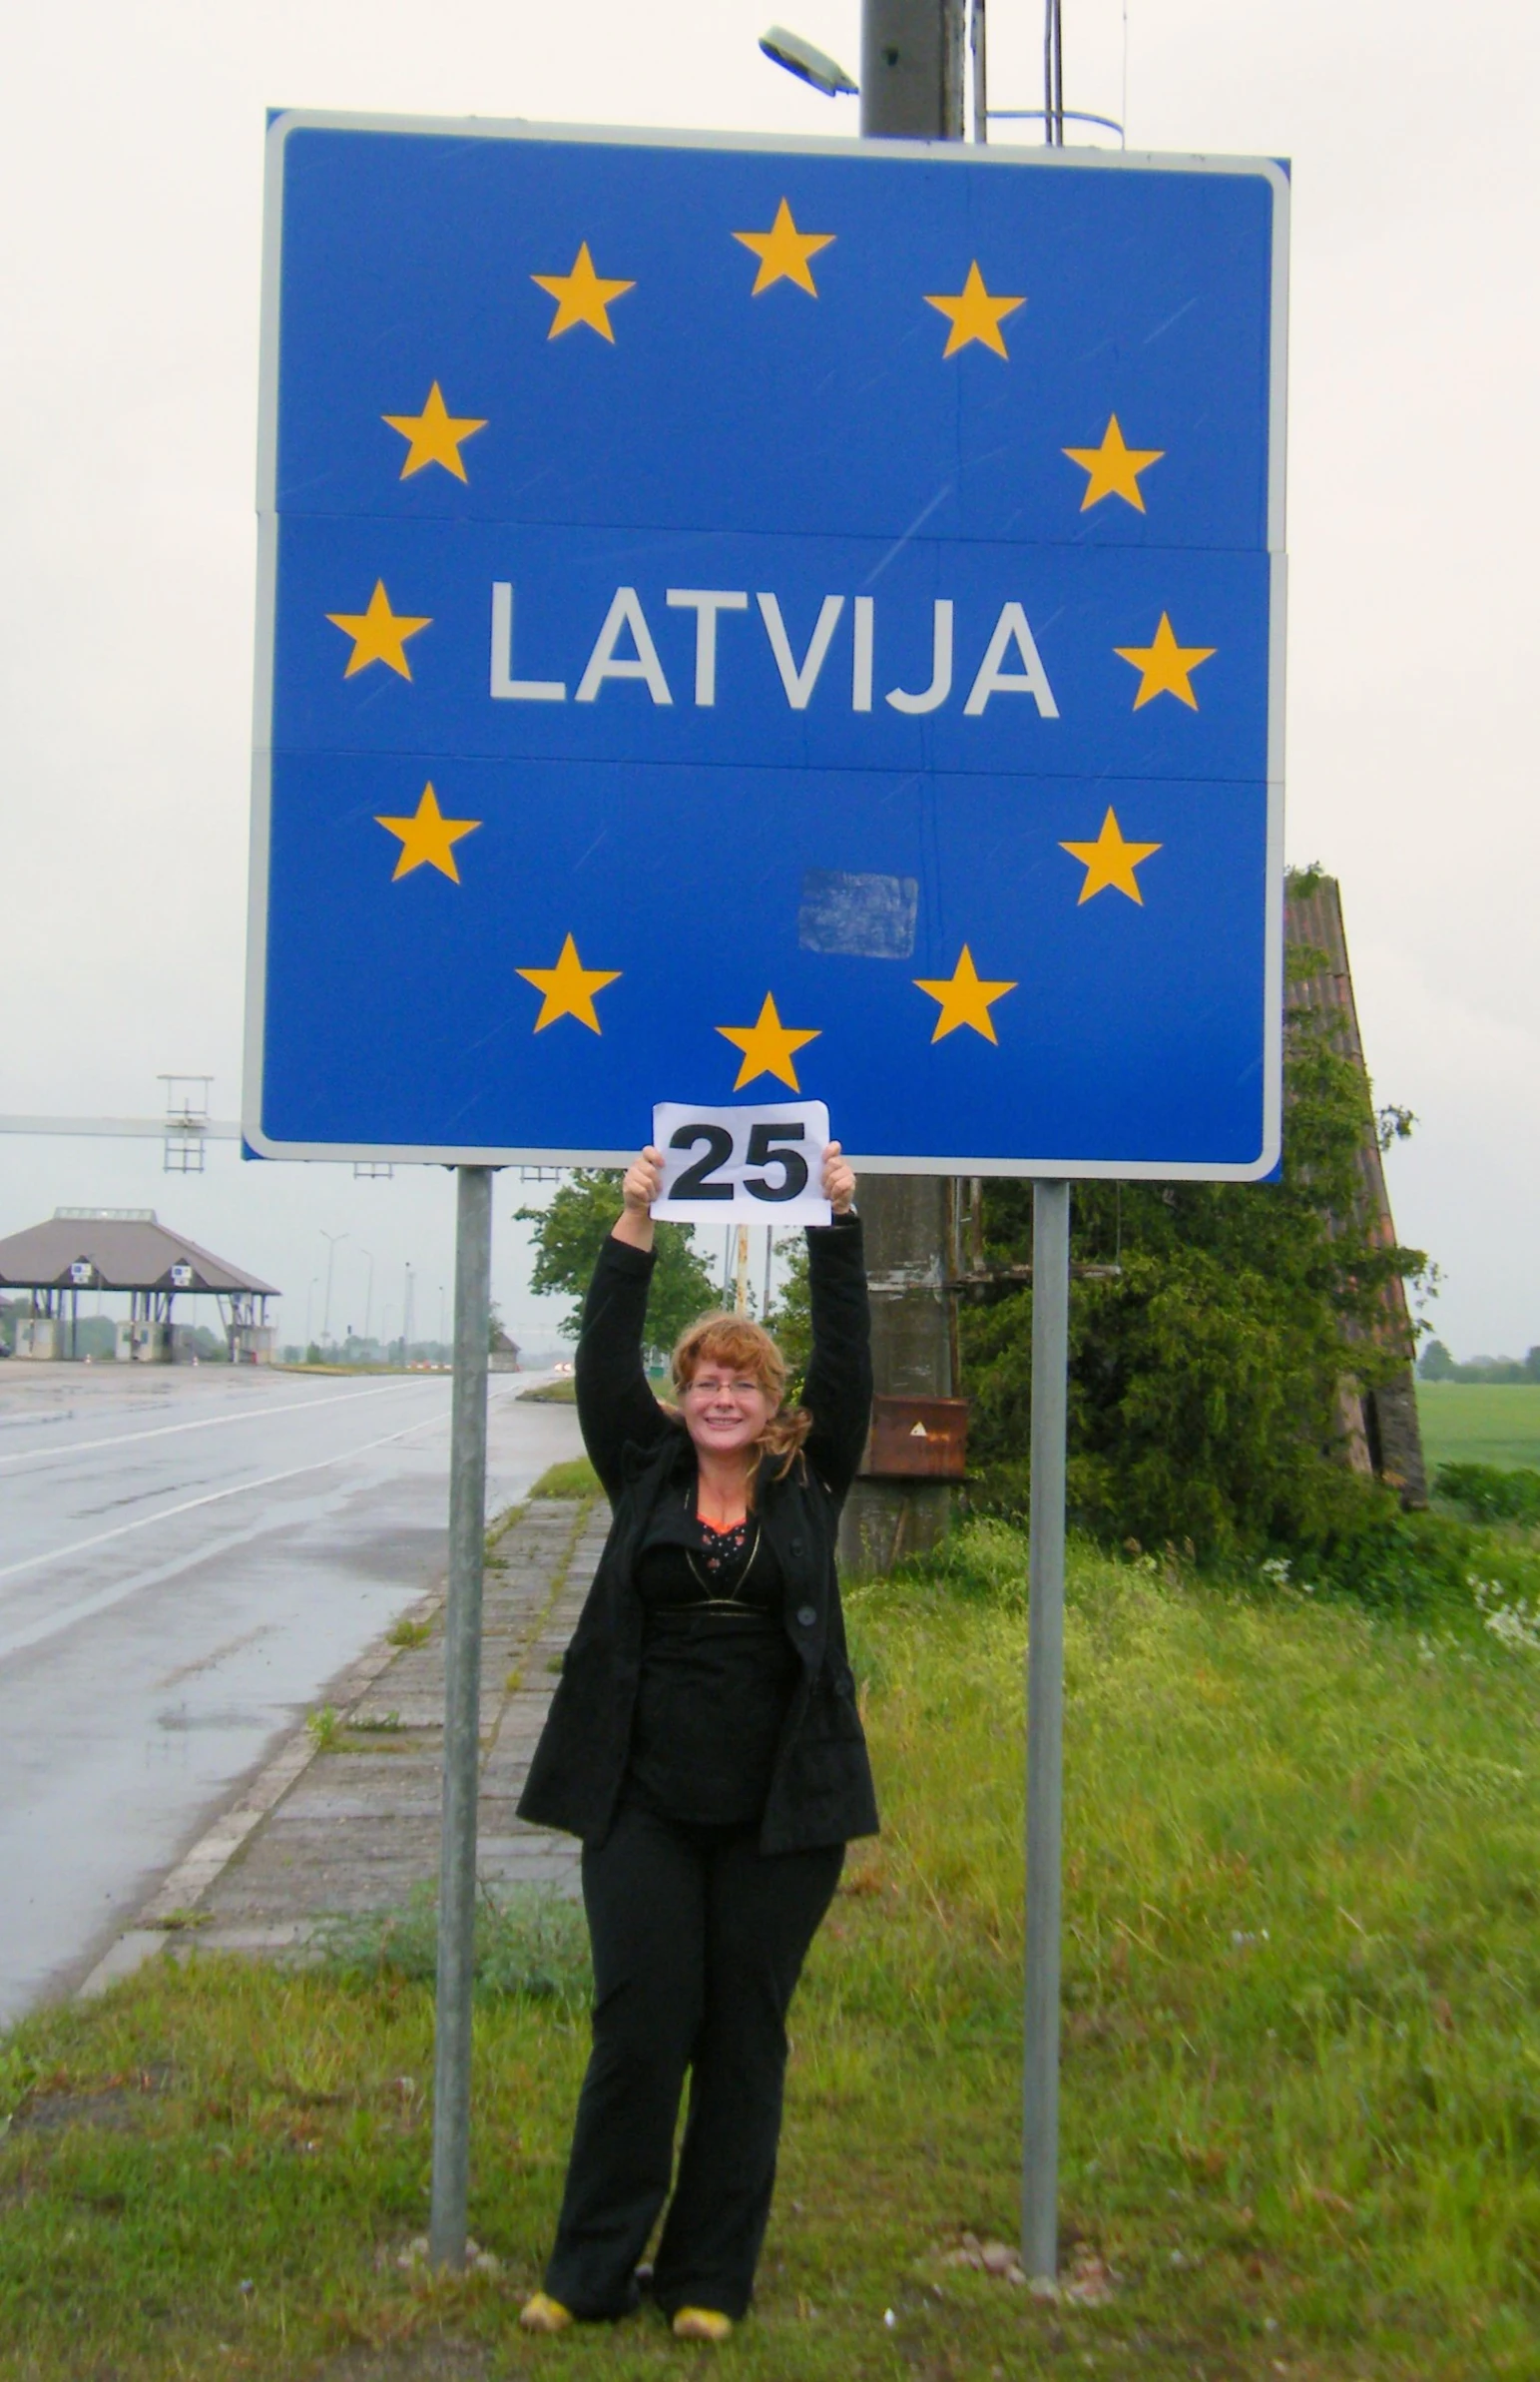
(130, 229)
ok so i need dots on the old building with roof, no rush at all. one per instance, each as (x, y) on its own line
(127, 1250)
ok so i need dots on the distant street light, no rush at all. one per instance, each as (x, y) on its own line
(368, 1296)
(308, 1300)
(332, 1239)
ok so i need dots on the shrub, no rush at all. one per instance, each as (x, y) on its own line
(1488, 1493)
(1412, 1563)
(1206, 1371)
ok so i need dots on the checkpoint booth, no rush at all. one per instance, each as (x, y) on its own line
(129, 1250)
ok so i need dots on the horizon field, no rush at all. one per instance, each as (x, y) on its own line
(1479, 1422)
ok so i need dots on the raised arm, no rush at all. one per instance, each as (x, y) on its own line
(837, 1391)
(616, 1405)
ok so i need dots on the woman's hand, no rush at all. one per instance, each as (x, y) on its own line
(642, 1184)
(644, 1181)
(838, 1180)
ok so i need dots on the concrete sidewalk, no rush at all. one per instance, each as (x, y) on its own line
(346, 1819)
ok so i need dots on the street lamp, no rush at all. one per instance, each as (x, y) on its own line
(799, 58)
(368, 1296)
(332, 1239)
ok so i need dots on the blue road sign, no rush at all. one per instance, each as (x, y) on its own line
(739, 616)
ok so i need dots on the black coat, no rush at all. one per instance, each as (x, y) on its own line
(820, 1787)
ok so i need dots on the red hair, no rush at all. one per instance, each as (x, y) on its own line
(747, 1347)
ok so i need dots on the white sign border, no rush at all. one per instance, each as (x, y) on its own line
(941, 152)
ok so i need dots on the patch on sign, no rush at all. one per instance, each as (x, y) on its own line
(865, 917)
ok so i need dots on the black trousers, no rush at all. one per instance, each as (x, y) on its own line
(699, 1939)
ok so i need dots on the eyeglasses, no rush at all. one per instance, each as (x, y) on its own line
(702, 1387)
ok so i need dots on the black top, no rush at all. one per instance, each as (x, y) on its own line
(819, 1789)
(718, 1668)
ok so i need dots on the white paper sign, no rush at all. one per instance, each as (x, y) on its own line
(751, 1165)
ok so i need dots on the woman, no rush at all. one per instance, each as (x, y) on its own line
(703, 1742)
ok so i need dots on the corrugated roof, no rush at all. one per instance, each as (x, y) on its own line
(122, 1255)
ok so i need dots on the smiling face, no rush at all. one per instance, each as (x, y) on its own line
(729, 1376)
(725, 1409)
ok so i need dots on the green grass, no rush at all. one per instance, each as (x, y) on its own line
(1479, 1422)
(561, 1392)
(1302, 2071)
(325, 1728)
(533, 1941)
(574, 1479)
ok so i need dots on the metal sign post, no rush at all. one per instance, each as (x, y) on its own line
(462, 1716)
(1045, 1732)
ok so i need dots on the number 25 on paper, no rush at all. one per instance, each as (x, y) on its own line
(741, 1165)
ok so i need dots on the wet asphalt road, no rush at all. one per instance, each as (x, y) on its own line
(185, 1558)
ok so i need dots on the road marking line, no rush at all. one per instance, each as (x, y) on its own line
(126, 1438)
(59, 1554)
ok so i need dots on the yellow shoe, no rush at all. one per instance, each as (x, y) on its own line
(544, 2314)
(701, 2324)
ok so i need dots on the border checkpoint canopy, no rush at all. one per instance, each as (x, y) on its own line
(124, 1248)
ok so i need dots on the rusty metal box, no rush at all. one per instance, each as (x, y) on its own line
(917, 1438)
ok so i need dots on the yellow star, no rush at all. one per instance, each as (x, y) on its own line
(569, 988)
(581, 297)
(1113, 468)
(1110, 860)
(974, 314)
(1165, 666)
(378, 635)
(434, 435)
(783, 251)
(966, 997)
(766, 1046)
(428, 835)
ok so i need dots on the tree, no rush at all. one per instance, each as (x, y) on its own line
(790, 1319)
(568, 1235)
(1435, 1362)
(1205, 1379)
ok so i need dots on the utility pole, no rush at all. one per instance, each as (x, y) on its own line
(912, 69)
(914, 74)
